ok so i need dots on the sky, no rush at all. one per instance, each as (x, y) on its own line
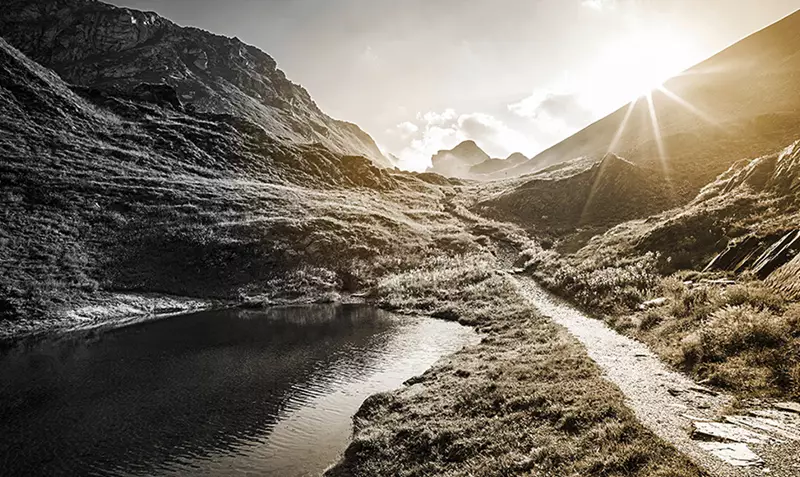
(513, 75)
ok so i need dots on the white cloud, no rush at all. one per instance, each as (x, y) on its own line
(407, 128)
(434, 131)
(554, 115)
(434, 118)
(599, 5)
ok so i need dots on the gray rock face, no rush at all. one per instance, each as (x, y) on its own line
(494, 166)
(458, 161)
(775, 176)
(776, 173)
(760, 255)
(93, 44)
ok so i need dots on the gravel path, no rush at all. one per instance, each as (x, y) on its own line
(759, 441)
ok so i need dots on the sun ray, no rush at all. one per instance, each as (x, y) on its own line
(662, 151)
(611, 147)
(623, 125)
(689, 106)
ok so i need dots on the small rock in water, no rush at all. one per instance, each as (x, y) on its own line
(736, 454)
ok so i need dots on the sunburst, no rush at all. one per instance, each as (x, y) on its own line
(652, 111)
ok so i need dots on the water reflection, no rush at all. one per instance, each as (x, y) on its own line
(215, 393)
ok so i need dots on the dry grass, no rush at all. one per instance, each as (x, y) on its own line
(744, 338)
(603, 285)
(525, 401)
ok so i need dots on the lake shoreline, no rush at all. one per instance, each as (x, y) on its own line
(526, 399)
(110, 311)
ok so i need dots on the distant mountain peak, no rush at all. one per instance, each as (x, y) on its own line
(493, 168)
(517, 157)
(469, 144)
(457, 162)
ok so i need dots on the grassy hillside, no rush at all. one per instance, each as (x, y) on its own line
(97, 45)
(106, 193)
(609, 192)
(711, 286)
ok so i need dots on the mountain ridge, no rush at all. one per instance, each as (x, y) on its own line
(90, 43)
(729, 97)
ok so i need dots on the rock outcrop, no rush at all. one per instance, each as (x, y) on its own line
(759, 255)
(774, 178)
(495, 166)
(457, 162)
(774, 173)
(96, 45)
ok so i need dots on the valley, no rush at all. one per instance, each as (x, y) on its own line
(149, 170)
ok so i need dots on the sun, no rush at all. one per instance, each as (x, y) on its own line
(634, 65)
(652, 60)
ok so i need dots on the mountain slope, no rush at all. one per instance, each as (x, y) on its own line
(93, 44)
(746, 220)
(741, 102)
(104, 194)
(612, 191)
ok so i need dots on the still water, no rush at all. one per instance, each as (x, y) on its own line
(216, 393)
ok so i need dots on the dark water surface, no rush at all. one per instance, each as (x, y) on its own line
(216, 393)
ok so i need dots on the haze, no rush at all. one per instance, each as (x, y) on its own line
(513, 75)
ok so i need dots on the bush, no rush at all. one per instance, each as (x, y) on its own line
(735, 329)
(754, 294)
(650, 320)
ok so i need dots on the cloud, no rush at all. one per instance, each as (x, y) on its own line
(555, 115)
(493, 135)
(407, 128)
(599, 5)
(434, 118)
(438, 130)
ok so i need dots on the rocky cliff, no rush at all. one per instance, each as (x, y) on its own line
(457, 162)
(96, 45)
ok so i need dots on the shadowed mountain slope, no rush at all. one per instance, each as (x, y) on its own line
(93, 44)
(747, 220)
(104, 193)
(743, 102)
(609, 192)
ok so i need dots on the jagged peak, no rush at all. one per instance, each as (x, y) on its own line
(465, 147)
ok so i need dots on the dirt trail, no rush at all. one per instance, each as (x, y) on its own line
(762, 441)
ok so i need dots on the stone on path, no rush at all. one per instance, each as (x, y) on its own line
(788, 406)
(720, 431)
(736, 453)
